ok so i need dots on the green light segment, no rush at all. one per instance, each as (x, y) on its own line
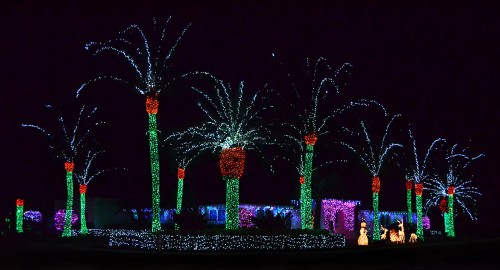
(420, 226)
(376, 221)
(69, 205)
(408, 203)
(232, 202)
(305, 191)
(19, 218)
(450, 224)
(83, 221)
(155, 172)
(180, 186)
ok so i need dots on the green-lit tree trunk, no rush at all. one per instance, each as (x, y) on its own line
(19, 215)
(180, 187)
(152, 109)
(83, 219)
(376, 220)
(305, 189)
(69, 166)
(450, 224)
(232, 164)
(419, 189)
(232, 203)
(409, 184)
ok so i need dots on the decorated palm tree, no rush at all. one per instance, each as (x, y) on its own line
(312, 112)
(153, 75)
(455, 186)
(373, 156)
(84, 176)
(419, 171)
(66, 145)
(232, 128)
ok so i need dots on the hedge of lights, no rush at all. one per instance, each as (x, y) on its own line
(332, 206)
(175, 242)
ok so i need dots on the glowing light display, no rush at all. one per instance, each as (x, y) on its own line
(450, 224)
(409, 185)
(419, 188)
(373, 160)
(456, 186)
(305, 189)
(218, 242)
(68, 145)
(60, 218)
(363, 238)
(69, 203)
(84, 176)
(228, 132)
(302, 180)
(181, 172)
(443, 205)
(232, 162)
(310, 139)
(151, 68)
(332, 206)
(19, 215)
(419, 171)
(232, 202)
(245, 218)
(34, 216)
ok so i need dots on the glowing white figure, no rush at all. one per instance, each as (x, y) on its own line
(363, 238)
(401, 232)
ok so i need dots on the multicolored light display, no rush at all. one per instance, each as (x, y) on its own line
(409, 185)
(68, 166)
(83, 221)
(151, 69)
(373, 160)
(19, 215)
(60, 220)
(419, 189)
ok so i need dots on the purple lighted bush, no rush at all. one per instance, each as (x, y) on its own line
(59, 219)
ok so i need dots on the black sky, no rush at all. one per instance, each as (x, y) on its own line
(435, 62)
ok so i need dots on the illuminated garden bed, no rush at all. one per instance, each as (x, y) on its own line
(143, 239)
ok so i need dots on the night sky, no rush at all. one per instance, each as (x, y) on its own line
(435, 63)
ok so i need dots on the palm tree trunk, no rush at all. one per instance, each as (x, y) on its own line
(83, 220)
(232, 164)
(419, 188)
(305, 189)
(376, 220)
(19, 215)
(409, 184)
(180, 187)
(152, 109)
(69, 166)
(450, 224)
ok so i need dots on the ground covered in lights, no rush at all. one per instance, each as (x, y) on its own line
(94, 253)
